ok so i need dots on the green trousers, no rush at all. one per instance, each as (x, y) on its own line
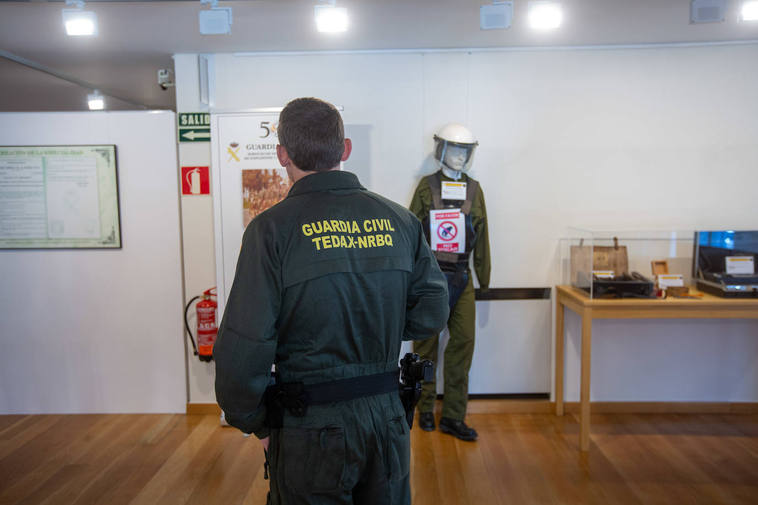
(354, 452)
(458, 354)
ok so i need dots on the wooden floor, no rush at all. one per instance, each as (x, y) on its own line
(520, 459)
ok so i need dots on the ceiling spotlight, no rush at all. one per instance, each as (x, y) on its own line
(79, 22)
(545, 15)
(96, 101)
(750, 11)
(330, 19)
(216, 20)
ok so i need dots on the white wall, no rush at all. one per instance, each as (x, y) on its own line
(658, 138)
(87, 331)
(197, 228)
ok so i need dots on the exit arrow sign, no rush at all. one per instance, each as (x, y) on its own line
(195, 135)
(193, 126)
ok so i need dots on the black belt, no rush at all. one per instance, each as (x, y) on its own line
(296, 396)
(343, 390)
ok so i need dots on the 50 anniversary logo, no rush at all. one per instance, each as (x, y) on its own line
(268, 130)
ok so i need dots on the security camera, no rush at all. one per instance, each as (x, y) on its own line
(164, 78)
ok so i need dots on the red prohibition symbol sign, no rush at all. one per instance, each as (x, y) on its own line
(447, 231)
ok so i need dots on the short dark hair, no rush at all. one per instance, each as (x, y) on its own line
(311, 131)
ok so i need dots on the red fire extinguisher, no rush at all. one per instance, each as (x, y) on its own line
(206, 324)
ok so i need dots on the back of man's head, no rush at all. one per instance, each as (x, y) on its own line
(312, 133)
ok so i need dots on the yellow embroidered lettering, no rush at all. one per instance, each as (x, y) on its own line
(317, 241)
(388, 240)
(317, 227)
(343, 242)
(326, 243)
(371, 241)
(380, 241)
(307, 230)
(355, 228)
(362, 242)
(327, 227)
(367, 226)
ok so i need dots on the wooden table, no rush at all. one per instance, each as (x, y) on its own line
(707, 307)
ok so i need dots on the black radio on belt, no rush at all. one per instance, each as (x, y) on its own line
(413, 371)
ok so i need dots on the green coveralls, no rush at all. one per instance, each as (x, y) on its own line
(462, 323)
(328, 283)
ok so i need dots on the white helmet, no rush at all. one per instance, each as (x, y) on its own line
(454, 147)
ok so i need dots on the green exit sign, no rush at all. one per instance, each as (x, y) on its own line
(194, 127)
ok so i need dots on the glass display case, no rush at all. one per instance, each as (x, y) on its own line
(628, 264)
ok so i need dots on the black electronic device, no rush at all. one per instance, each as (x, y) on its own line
(709, 265)
(634, 285)
(413, 372)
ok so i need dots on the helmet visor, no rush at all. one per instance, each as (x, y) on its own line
(453, 155)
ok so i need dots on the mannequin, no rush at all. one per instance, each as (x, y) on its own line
(450, 204)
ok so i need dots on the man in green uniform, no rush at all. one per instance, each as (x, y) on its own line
(328, 283)
(451, 207)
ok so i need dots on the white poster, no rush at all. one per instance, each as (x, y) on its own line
(447, 230)
(247, 146)
(248, 141)
(59, 197)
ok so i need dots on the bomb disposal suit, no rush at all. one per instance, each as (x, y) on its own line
(328, 283)
(451, 206)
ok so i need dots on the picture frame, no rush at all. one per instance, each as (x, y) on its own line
(59, 197)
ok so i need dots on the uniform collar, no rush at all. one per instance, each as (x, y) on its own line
(325, 181)
(464, 177)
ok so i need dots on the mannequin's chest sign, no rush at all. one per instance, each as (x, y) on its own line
(453, 190)
(447, 230)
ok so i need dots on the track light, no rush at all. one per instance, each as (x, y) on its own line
(96, 101)
(750, 10)
(545, 15)
(79, 22)
(330, 19)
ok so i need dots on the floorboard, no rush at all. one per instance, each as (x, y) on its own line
(520, 458)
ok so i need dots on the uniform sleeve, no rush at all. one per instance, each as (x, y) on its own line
(422, 200)
(246, 344)
(482, 264)
(427, 306)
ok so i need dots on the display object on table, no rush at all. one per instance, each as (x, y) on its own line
(724, 262)
(603, 271)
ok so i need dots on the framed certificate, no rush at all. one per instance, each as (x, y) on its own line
(59, 197)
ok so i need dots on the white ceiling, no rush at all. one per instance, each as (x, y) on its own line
(138, 38)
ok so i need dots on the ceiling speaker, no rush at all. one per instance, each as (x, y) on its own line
(496, 16)
(707, 11)
(216, 21)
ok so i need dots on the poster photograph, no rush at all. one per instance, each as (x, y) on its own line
(59, 197)
(262, 189)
